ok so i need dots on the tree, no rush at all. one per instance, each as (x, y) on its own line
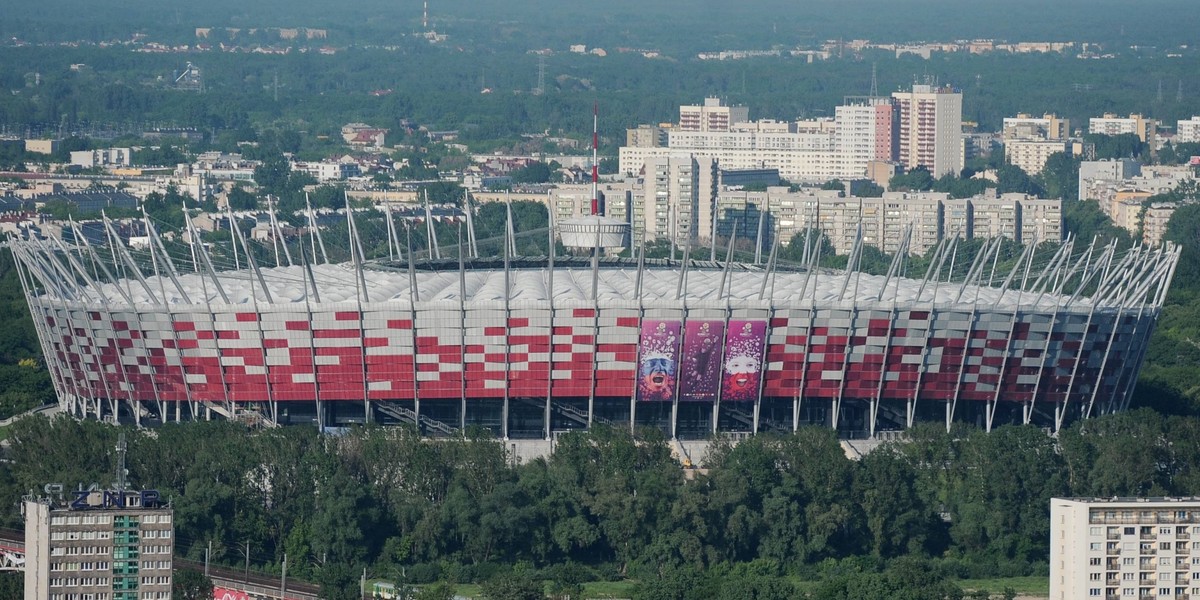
(534, 172)
(916, 180)
(240, 199)
(512, 586)
(189, 584)
(1060, 176)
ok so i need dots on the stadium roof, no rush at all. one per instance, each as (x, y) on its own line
(337, 283)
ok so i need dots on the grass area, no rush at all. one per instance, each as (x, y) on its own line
(1032, 586)
(594, 589)
(609, 589)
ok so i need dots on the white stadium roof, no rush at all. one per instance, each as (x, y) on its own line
(338, 283)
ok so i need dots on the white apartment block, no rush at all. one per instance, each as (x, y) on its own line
(1187, 131)
(930, 131)
(711, 116)
(1124, 548)
(1031, 155)
(1111, 124)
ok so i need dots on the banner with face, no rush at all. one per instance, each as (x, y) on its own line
(744, 346)
(657, 362)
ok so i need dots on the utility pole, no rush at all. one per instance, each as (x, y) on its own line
(207, 555)
(283, 578)
(246, 577)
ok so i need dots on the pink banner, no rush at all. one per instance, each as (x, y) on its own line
(744, 346)
(657, 358)
(700, 368)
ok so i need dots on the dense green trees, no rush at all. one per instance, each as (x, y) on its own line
(608, 504)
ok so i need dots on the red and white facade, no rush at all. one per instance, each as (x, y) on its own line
(534, 347)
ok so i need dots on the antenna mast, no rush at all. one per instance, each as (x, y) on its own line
(121, 446)
(595, 164)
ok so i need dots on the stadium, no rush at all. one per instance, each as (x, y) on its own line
(531, 346)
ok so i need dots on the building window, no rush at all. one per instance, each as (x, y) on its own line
(1094, 592)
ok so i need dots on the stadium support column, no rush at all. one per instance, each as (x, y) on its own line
(39, 323)
(762, 379)
(550, 210)
(637, 357)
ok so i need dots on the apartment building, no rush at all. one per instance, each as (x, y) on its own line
(98, 545)
(930, 130)
(932, 215)
(1119, 548)
(1026, 127)
(711, 116)
(1031, 154)
(1187, 131)
(678, 196)
(814, 151)
(1111, 124)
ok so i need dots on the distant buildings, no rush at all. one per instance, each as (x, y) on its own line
(1143, 548)
(930, 129)
(862, 130)
(362, 135)
(329, 170)
(41, 146)
(933, 216)
(105, 157)
(1030, 141)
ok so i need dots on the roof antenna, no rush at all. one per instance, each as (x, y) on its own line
(595, 165)
(121, 470)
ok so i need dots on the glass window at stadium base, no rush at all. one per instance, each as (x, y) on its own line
(529, 347)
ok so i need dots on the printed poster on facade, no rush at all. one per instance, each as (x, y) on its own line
(744, 345)
(700, 361)
(657, 360)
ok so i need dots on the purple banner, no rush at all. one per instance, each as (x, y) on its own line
(700, 371)
(657, 360)
(744, 346)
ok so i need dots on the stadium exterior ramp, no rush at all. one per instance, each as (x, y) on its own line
(532, 346)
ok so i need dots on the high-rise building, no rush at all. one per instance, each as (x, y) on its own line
(864, 132)
(98, 545)
(930, 131)
(679, 193)
(711, 116)
(1141, 548)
